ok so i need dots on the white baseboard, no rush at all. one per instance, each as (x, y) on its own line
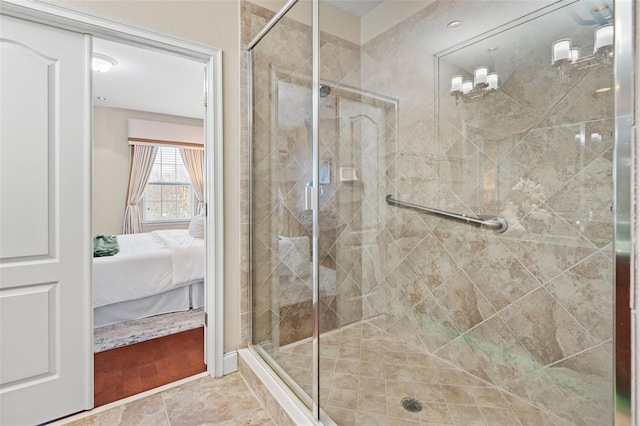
(230, 363)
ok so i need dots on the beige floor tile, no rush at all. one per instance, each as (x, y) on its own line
(373, 386)
(368, 419)
(224, 401)
(457, 395)
(146, 411)
(435, 413)
(400, 389)
(426, 392)
(345, 381)
(343, 398)
(370, 403)
(401, 422)
(367, 372)
(451, 376)
(466, 415)
(499, 417)
(342, 416)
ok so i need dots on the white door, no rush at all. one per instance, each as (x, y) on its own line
(46, 363)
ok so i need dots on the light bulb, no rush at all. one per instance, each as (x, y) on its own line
(456, 83)
(561, 50)
(604, 37)
(480, 76)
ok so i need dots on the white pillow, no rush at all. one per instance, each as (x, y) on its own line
(196, 227)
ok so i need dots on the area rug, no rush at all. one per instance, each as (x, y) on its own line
(130, 332)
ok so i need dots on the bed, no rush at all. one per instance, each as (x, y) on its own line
(153, 273)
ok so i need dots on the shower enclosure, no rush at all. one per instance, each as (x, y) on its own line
(434, 211)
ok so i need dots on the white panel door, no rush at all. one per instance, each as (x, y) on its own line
(46, 362)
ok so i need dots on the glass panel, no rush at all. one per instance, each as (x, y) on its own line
(153, 193)
(183, 201)
(153, 210)
(536, 151)
(168, 193)
(477, 326)
(280, 217)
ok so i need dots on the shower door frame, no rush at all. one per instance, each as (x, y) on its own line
(623, 206)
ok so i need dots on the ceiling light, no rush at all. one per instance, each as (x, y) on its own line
(454, 24)
(102, 63)
(600, 8)
(493, 48)
(603, 90)
(100, 98)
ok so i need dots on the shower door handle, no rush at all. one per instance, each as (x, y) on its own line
(308, 196)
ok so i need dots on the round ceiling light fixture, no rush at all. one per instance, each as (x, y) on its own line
(102, 63)
(454, 24)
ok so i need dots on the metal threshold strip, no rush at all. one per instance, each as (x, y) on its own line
(498, 224)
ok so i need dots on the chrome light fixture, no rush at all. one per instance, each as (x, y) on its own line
(483, 83)
(567, 58)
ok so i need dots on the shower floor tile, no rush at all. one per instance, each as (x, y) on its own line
(365, 373)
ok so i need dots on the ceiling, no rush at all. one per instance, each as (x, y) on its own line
(357, 8)
(146, 80)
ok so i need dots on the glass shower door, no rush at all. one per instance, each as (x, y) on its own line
(281, 204)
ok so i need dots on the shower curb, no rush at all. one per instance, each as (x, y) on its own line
(280, 402)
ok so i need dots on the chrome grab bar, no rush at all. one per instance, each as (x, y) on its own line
(498, 224)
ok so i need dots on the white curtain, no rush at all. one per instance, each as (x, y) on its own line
(142, 158)
(194, 162)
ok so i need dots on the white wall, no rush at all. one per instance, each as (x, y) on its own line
(111, 163)
(215, 23)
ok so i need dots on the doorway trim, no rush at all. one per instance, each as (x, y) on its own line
(210, 56)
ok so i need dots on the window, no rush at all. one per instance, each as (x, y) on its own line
(168, 196)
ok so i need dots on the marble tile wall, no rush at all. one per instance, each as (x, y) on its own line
(530, 310)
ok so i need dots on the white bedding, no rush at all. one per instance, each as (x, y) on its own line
(147, 264)
(187, 255)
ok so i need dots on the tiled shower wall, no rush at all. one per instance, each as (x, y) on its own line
(529, 310)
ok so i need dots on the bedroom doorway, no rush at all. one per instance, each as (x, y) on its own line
(148, 289)
(88, 28)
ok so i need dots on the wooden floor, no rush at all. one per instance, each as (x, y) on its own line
(126, 371)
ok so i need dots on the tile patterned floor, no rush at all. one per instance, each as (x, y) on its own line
(366, 372)
(226, 401)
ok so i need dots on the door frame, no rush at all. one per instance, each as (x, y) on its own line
(210, 56)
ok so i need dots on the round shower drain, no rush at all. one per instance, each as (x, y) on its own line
(411, 404)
